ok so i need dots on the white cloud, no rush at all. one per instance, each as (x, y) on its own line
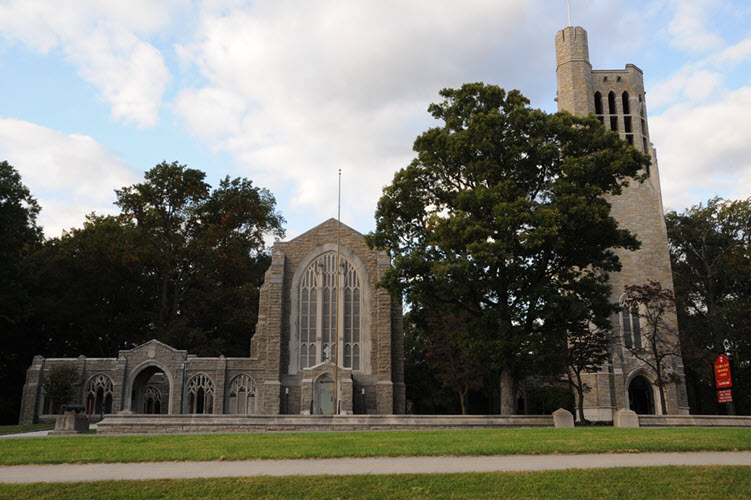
(103, 41)
(704, 149)
(688, 27)
(296, 90)
(70, 174)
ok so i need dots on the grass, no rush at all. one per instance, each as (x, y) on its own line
(637, 482)
(15, 429)
(195, 447)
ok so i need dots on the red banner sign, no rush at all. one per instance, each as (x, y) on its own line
(722, 372)
(725, 396)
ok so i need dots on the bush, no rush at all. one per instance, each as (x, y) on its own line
(60, 385)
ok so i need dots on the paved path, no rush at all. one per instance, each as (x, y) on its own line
(400, 465)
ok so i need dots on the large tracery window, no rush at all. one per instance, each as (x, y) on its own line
(201, 394)
(319, 296)
(99, 394)
(242, 395)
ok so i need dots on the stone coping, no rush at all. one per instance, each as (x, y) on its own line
(695, 420)
(170, 424)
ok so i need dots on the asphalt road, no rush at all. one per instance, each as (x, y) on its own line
(399, 465)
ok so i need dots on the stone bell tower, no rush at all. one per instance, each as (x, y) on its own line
(617, 98)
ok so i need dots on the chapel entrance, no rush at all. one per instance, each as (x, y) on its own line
(325, 395)
(641, 396)
(150, 392)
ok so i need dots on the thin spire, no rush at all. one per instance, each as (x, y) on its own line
(569, 12)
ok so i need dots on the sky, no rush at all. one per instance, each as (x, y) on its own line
(93, 93)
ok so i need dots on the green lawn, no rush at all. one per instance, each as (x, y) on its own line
(644, 482)
(15, 429)
(95, 449)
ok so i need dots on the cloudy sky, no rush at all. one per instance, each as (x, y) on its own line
(93, 93)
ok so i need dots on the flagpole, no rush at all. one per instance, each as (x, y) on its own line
(338, 289)
(569, 12)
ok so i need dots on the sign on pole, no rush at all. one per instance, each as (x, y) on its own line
(725, 396)
(722, 372)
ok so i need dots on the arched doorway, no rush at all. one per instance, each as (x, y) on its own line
(150, 391)
(325, 395)
(641, 396)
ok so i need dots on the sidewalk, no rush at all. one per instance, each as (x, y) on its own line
(399, 465)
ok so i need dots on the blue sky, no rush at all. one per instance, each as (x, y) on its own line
(95, 92)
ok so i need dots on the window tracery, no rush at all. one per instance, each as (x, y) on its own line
(201, 394)
(241, 398)
(321, 290)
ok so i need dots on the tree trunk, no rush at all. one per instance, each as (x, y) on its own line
(661, 387)
(463, 400)
(580, 392)
(508, 396)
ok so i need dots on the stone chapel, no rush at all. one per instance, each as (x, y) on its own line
(291, 367)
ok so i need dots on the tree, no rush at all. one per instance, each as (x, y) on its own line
(60, 385)
(503, 216)
(20, 235)
(710, 250)
(658, 342)
(587, 351)
(202, 249)
(452, 366)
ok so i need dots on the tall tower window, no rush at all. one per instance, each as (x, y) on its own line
(626, 108)
(630, 326)
(611, 103)
(598, 103)
(614, 123)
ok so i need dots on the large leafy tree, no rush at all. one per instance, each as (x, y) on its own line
(201, 252)
(20, 235)
(710, 249)
(503, 216)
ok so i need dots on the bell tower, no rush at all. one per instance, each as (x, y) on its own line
(617, 99)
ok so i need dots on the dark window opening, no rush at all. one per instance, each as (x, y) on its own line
(626, 107)
(627, 124)
(614, 123)
(630, 139)
(643, 127)
(598, 103)
(611, 103)
(602, 119)
(644, 140)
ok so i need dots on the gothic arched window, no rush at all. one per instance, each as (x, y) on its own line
(201, 394)
(626, 107)
(241, 398)
(152, 400)
(99, 394)
(598, 103)
(321, 289)
(611, 103)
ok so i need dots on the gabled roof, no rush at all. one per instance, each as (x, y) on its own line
(332, 220)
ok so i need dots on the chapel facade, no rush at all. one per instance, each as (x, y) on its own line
(292, 365)
(617, 98)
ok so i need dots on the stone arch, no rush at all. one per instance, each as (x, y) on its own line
(154, 366)
(241, 395)
(642, 393)
(365, 284)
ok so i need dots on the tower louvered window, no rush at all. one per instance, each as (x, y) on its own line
(319, 296)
